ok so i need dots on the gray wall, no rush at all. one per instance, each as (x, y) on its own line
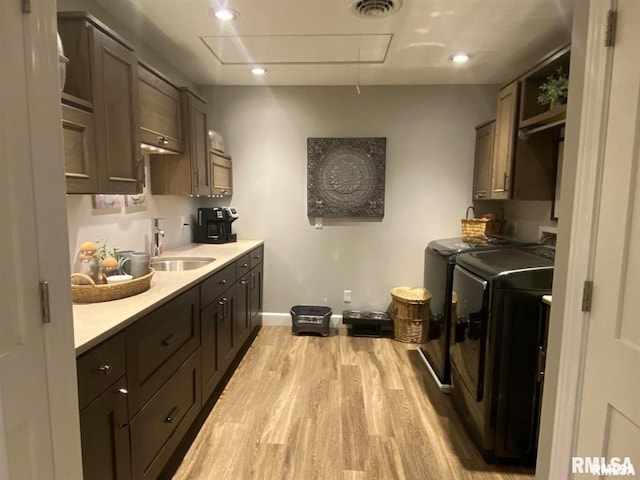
(430, 149)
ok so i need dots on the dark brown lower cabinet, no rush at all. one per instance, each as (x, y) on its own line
(241, 327)
(225, 349)
(160, 425)
(159, 343)
(164, 366)
(104, 432)
(255, 296)
(211, 371)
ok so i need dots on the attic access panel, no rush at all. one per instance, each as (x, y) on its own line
(345, 177)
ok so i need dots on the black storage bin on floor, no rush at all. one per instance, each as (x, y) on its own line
(310, 319)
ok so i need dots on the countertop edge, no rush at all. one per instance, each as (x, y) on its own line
(86, 345)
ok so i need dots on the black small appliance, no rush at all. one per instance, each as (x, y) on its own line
(214, 225)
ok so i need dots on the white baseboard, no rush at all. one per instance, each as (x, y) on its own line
(275, 319)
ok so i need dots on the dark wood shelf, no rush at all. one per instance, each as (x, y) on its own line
(557, 114)
(532, 112)
(74, 101)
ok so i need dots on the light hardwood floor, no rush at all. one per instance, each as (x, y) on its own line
(334, 408)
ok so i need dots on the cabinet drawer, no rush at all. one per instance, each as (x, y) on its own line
(257, 255)
(158, 428)
(99, 368)
(159, 343)
(243, 265)
(213, 286)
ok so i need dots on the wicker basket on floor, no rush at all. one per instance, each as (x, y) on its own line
(410, 310)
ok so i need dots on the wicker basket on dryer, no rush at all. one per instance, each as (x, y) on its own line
(479, 228)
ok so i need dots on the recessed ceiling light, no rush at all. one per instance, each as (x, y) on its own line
(258, 71)
(460, 57)
(225, 14)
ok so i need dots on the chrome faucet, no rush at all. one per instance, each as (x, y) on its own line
(156, 237)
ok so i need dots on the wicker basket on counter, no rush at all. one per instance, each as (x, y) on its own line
(410, 311)
(89, 292)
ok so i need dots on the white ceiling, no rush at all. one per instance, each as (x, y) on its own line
(317, 42)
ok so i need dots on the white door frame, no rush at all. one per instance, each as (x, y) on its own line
(49, 182)
(581, 241)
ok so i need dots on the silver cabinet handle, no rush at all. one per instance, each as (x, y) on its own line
(222, 282)
(123, 391)
(504, 183)
(163, 140)
(104, 370)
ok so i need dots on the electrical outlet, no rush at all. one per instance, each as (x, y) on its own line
(184, 222)
(347, 296)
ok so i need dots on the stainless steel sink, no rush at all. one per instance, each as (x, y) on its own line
(179, 264)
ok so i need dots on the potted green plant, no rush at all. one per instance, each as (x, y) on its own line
(555, 89)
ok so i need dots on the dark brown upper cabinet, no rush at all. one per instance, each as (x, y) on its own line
(160, 122)
(221, 174)
(102, 79)
(483, 159)
(79, 150)
(504, 141)
(188, 173)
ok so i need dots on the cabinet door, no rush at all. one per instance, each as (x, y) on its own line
(483, 161)
(211, 371)
(504, 142)
(200, 150)
(255, 296)
(115, 78)
(160, 123)
(104, 434)
(79, 150)
(241, 325)
(221, 175)
(225, 350)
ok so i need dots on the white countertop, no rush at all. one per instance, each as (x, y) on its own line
(546, 299)
(95, 322)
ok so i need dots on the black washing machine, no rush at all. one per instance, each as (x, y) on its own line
(495, 356)
(439, 262)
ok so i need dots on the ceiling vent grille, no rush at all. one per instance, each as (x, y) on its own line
(375, 8)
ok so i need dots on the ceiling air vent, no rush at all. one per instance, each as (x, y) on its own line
(375, 8)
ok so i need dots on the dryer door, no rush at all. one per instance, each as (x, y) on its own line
(468, 350)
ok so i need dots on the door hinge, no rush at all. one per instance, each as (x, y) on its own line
(610, 34)
(44, 302)
(587, 293)
(26, 6)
